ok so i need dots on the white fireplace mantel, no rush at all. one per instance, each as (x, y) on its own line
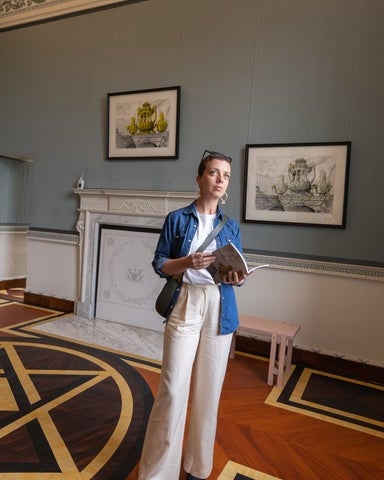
(130, 208)
(132, 202)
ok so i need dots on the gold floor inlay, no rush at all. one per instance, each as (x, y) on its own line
(67, 411)
(341, 409)
(232, 469)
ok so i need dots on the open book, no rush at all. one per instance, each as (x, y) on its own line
(229, 258)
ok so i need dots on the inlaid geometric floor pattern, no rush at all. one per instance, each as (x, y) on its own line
(12, 294)
(73, 410)
(52, 422)
(333, 398)
(235, 471)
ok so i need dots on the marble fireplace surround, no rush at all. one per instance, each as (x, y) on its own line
(130, 208)
(147, 209)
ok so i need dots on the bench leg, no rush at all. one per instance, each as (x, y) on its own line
(289, 354)
(272, 358)
(282, 360)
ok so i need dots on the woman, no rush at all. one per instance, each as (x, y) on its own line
(198, 331)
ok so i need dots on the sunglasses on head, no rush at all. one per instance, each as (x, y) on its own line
(218, 155)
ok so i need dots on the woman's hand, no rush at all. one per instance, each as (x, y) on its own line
(234, 278)
(196, 260)
(199, 260)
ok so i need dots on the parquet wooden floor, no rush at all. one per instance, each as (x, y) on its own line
(70, 411)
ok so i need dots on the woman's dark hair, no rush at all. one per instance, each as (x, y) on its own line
(209, 155)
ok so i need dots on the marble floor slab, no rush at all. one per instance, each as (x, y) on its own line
(115, 336)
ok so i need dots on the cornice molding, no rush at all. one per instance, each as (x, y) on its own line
(16, 13)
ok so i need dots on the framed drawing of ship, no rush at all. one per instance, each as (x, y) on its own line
(298, 183)
(143, 124)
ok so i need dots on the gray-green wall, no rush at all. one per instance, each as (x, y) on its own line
(250, 71)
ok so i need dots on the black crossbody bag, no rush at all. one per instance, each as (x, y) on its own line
(164, 299)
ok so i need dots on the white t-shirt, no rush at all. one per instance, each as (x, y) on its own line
(204, 228)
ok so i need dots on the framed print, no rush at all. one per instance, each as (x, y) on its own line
(144, 124)
(298, 184)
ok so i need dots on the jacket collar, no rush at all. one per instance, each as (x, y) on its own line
(191, 209)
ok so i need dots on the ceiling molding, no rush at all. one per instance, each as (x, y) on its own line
(18, 13)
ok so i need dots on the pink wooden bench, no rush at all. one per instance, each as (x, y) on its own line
(280, 333)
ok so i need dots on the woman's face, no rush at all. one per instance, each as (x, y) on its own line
(214, 181)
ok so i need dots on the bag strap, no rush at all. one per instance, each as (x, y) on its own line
(213, 234)
(206, 242)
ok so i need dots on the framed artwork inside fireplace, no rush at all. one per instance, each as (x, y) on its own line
(297, 184)
(144, 124)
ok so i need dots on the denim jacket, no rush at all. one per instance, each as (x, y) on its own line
(175, 239)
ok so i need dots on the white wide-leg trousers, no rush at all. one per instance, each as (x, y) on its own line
(195, 355)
